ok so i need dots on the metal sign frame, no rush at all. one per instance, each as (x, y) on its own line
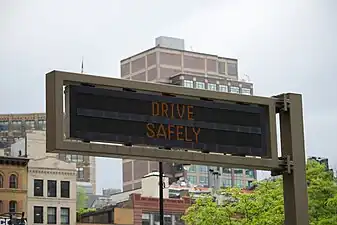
(56, 127)
(291, 164)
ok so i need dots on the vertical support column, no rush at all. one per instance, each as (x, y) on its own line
(292, 144)
(161, 194)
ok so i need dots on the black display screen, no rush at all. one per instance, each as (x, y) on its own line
(134, 118)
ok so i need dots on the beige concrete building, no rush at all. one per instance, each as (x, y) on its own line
(168, 62)
(36, 148)
(52, 191)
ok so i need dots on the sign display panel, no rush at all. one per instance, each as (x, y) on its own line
(135, 118)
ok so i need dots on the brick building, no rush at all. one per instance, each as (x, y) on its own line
(139, 210)
(170, 63)
(13, 185)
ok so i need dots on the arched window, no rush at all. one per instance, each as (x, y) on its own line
(12, 206)
(1, 181)
(13, 181)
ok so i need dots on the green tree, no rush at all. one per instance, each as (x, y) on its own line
(82, 198)
(264, 206)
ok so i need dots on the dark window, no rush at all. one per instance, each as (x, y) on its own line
(12, 206)
(64, 215)
(13, 181)
(1, 181)
(65, 186)
(38, 187)
(238, 171)
(51, 188)
(80, 173)
(1, 207)
(38, 214)
(51, 215)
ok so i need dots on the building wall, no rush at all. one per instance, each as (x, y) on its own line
(34, 124)
(50, 168)
(188, 69)
(9, 194)
(146, 208)
(159, 64)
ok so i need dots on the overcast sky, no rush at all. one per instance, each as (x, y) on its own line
(283, 46)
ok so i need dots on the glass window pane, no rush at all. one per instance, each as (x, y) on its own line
(200, 85)
(245, 91)
(223, 88)
(235, 90)
(211, 87)
(188, 83)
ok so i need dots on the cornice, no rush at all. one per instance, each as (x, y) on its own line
(52, 172)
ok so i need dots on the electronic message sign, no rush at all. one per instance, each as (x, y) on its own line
(138, 118)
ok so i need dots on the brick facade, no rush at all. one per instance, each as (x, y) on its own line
(149, 205)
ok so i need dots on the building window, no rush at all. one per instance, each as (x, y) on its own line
(38, 187)
(192, 179)
(245, 91)
(12, 206)
(203, 169)
(51, 211)
(145, 219)
(192, 169)
(38, 214)
(250, 173)
(203, 180)
(238, 183)
(223, 88)
(1, 206)
(226, 170)
(235, 90)
(1, 181)
(232, 69)
(64, 215)
(74, 158)
(13, 181)
(227, 183)
(65, 186)
(80, 173)
(52, 188)
(211, 87)
(238, 171)
(188, 83)
(200, 85)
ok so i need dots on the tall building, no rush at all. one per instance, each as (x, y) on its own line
(13, 185)
(52, 196)
(168, 62)
(16, 128)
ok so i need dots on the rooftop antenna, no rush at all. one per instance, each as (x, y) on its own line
(246, 76)
(82, 65)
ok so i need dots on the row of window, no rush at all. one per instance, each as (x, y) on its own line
(237, 183)
(204, 169)
(51, 215)
(169, 219)
(201, 169)
(213, 87)
(51, 188)
(12, 181)
(12, 206)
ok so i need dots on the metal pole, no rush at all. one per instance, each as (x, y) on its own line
(292, 145)
(161, 194)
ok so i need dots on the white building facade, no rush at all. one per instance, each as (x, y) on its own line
(51, 191)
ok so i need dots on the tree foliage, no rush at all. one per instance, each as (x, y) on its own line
(264, 205)
(82, 198)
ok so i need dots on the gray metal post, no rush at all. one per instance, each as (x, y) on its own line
(292, 145)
